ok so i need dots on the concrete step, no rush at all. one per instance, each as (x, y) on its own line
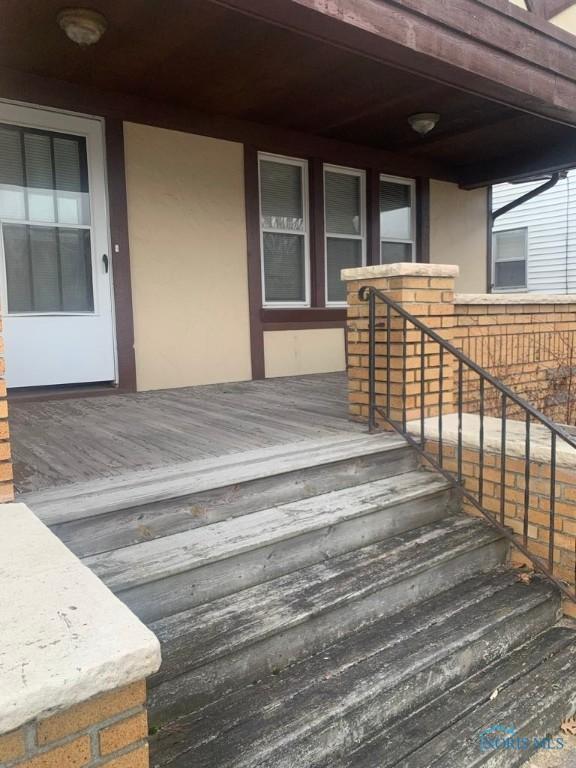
(174, 573)
(428, 736)
(204, 493)
(230, 642)
(79, 501)
(352, 690)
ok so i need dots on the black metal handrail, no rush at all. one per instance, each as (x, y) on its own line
(507, 397)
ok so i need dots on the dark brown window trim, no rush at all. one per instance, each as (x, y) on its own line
(372, 216)
(317, 316)
(303, 315)
(317, 245)
(304, 326)
(120, 256)
(423, 219)
(253, 252)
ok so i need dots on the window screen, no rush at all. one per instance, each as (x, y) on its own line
(397, 219)
(510, 250)
(45, 219)
(283, 223)
(344, 222)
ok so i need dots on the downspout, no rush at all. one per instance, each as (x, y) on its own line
(552, 181)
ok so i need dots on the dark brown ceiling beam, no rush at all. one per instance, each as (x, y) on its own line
(478, 46)
(559, 157)
(59, 94)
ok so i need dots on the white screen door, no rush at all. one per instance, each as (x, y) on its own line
(55, 272)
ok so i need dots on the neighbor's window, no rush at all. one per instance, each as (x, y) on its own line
(397, 220)
(284, 230)
(510, 250)
(345, 226)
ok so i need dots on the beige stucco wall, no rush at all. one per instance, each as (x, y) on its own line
(566, 20)
(188, 258)
(292, 353)
(458, 233)
(519, 3)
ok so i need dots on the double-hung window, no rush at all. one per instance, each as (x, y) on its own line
(397, 220)
(510, 250)
(345, 226)
(284, 230)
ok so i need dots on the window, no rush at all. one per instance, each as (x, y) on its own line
(284, 230)
(397, 220)
(510, 250)
(45, 221)
(345, 227)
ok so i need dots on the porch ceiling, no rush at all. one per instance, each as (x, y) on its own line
(220, 60)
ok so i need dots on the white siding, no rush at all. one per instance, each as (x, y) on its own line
(551, 222)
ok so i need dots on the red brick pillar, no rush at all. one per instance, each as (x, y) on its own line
(425, 291)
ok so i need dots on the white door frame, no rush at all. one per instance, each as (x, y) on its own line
(92, 129)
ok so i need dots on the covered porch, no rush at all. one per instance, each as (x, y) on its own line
(179, 115)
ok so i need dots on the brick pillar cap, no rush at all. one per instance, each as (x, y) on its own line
(400, 270)
(65, 636)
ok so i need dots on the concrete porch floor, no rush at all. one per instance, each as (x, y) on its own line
(57, 442)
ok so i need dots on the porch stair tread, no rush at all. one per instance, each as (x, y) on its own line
(135, 565)
(350, 691)
(446, 732)
(270, 625)
(86, 499)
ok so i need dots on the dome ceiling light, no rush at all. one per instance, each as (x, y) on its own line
(424, 122)
(82, 25)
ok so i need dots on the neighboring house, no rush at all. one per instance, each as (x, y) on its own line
(534, 245)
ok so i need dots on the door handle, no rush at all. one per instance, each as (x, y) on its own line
(105, 262)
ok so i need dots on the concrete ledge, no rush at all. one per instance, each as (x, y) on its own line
(400, 270)
(515, 437)
(65, 636)
(514, 298)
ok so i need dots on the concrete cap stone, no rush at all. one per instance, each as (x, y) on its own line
(400, 270)
(65, 636)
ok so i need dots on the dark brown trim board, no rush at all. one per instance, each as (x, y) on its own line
(372, 216)
(471, 45)
(317, 232)
(313, 326)
(310, 316)
(252, 203)
(120, 256)
(488, 286)
(423, 219)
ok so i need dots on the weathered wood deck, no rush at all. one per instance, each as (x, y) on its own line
(57, 442)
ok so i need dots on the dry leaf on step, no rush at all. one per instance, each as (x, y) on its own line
(525, 578)
(569, 726)
(494, 694)
(145, 532)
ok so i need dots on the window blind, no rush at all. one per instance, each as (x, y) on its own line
(395, 253)
(48, 269)
(284, 235)
(342, 254)
(343, 203)
(281, 196)
(284, 266)
(395, 210)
